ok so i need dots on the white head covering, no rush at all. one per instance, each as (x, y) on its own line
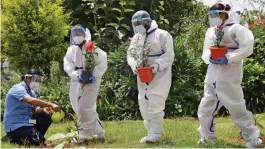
(235, 16)
(140, 17)
(79, 30)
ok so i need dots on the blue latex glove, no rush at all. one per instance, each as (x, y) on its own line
(213, 61)
(80, 79)
(221, 60)
(92, 79)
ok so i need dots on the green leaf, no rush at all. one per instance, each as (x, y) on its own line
(125, 26)
(179, 110)
(116, 9)
(123, 2)
(71, 134)
(112, 24)
(162, 8)
(131, 3)
(166, 21)
(56, 136)
(59, 146)
(128, 10)
(120, 18)
(161, 17)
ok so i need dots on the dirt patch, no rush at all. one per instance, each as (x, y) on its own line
(236, 141)
(263, 141)
(52, 143)
(242, 142)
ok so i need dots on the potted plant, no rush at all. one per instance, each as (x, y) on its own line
(140, 55)
(145, 71)
(89, 62)
(217, 50)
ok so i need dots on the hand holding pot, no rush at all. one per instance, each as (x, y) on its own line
(80, 79)
(92, 79)
(154, 68)
(221, 61)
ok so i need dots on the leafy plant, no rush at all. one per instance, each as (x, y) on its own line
(139, 52)
(89, 55)
(259, 121)
(33, 33)
(219, 34)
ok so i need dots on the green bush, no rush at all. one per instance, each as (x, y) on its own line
(33, 33)
(118, 95)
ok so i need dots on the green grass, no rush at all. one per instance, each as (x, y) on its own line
(178, 133)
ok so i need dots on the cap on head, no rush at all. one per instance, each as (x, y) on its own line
(33, 72)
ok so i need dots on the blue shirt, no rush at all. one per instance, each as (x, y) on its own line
(17, 113)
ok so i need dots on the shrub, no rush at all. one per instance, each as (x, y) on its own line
(33, 33)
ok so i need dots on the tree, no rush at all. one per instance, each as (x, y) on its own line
(33, 33)
(110, 20)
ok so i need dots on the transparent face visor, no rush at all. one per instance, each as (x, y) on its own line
(36, 78)
(215, 13)
(141, 21)
(77, 31)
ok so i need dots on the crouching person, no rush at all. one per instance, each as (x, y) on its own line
(26, 118)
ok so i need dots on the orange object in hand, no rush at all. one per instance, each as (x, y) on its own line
(145, 74)
(217, 52)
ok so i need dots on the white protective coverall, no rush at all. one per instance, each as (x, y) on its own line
(223, 82)
(84, 101)
(152, 96)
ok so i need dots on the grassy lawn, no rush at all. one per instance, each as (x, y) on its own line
(179, 133)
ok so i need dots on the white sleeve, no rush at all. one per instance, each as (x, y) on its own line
(102, 65)
(131, 61)
(68, 64)
(206, 45)
(166, 59)
(245, 40)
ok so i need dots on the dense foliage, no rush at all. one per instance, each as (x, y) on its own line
(33, 33)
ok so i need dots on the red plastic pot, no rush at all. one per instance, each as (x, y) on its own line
(217, 52)
(145, 74)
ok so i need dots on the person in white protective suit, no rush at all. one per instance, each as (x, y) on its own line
(222, 85)
(84, 100)
(152, 96)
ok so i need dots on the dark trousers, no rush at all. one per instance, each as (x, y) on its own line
(31, 135)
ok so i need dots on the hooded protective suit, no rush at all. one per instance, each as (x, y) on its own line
(152, 96)
(83, 100)
(223, 82)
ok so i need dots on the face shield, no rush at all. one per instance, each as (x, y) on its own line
(79, 34)
(35, 82)
(215, 13)
(214, 17)
(140, 18)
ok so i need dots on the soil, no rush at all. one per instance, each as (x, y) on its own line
(241, 141)
(263, 141)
